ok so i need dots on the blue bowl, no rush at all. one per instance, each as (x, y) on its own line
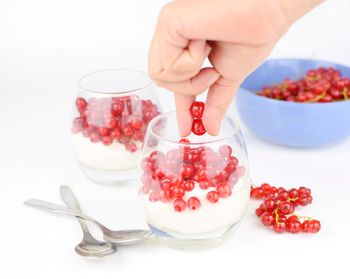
(289, 123)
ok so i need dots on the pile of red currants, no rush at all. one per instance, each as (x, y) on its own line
(122, 119)
(317, 86)
(168, 177)
(278, 207)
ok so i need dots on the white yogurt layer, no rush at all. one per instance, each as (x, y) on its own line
(209, 217)
(104, 157)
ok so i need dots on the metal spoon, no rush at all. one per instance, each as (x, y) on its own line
(89, 246)
(121, 237)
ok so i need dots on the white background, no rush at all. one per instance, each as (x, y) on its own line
(45, 46)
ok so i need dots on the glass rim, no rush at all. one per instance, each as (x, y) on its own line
(148, 82)
(231, 134)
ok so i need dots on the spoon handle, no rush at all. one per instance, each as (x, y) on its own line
(69, 198)
(51, 207)
(71, 202)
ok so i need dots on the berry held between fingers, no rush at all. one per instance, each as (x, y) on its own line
(197, 109)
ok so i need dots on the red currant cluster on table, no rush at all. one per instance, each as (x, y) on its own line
(122, 119)
(318, 85)
(167, 177)
(278, 207)
(197, 109)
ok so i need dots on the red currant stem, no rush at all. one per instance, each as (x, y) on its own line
(316, 99)
(304, 217)
(345, 93)
(277, 217)
(283, 86)
(292, 199)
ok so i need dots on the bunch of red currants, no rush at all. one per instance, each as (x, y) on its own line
(278, 206)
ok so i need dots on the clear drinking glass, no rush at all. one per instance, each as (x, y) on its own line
(111, 114)
(196, 190)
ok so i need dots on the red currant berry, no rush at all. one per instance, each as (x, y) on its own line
(304, 201)
(116, 134)
(184, 141)
(107, 140)
(292, 217)
(178, 191)
(224, 190)
(154, 196)
(131, 146)
(279, 227)
(179, 205)
(304, 192)
(198, 127)
(285, 207)
(257, 193)
(293, 193)
(225, 151)
(188, 185)
(230, 168)
(259, 211)
(197, 109)
(136, 124)
(213, 196)
(193, 203)
(186, 171)
(159, 173)
(127, 131)
(204, 185)
(104, 131)
(157, 156)
(265, 187)
(267, 219)
(94, 137)
(283, 195)
(293, 226)
(146, 164)
(233, 160)
(270, 204)
(314, 226)
(112, 123)
(81, 104)
(166, 195)
(117, 108)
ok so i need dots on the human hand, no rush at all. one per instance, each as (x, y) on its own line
(235, 35)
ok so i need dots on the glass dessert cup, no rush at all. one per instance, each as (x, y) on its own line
(112, 111)
(195, 191)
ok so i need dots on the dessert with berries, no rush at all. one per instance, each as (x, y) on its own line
(108, 132)
(195, 187)
(194, 190)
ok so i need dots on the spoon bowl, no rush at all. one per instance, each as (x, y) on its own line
(89, 246)
(95, 249)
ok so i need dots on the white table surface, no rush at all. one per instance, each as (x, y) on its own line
(45, 46)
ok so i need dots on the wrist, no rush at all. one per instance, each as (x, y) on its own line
(292, 10)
